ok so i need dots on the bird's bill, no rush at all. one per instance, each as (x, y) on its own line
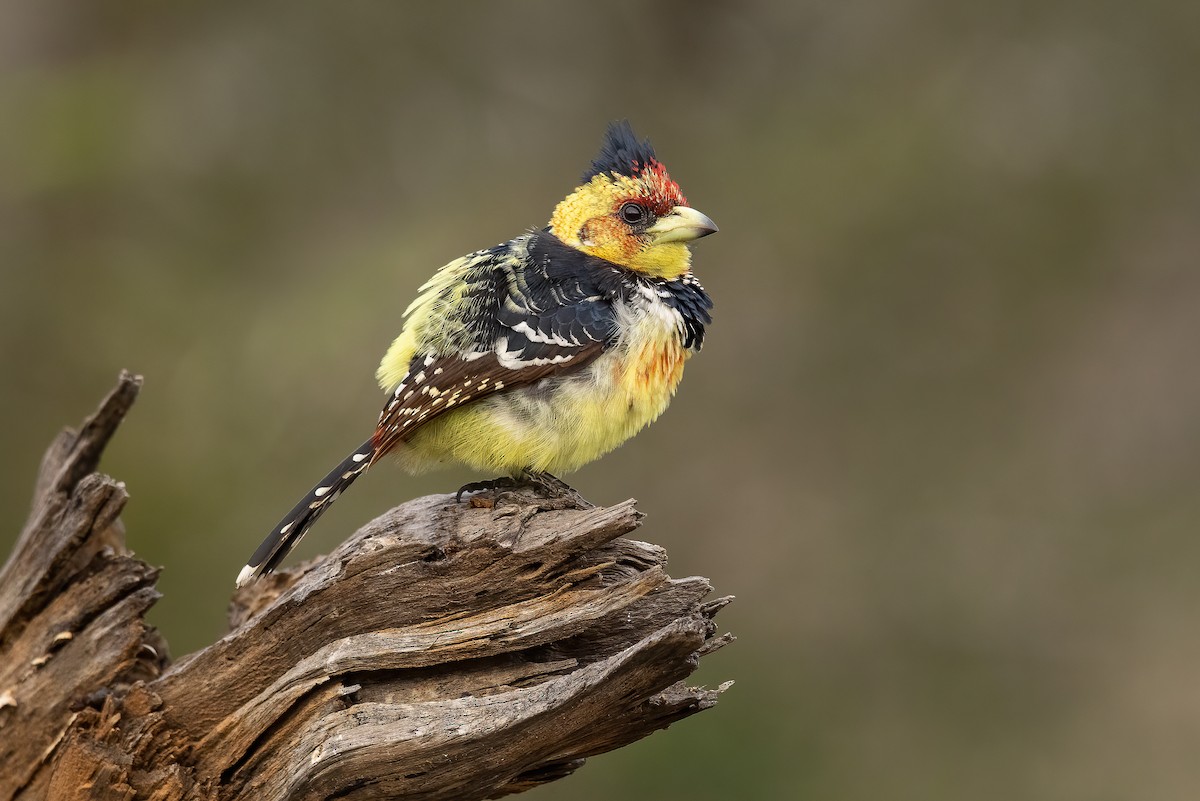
(683, 224)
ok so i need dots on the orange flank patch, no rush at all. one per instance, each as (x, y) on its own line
(654, 370)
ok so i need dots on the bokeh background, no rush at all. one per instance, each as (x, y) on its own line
(943, 442)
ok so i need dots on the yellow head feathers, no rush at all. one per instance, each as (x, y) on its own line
(628, 210)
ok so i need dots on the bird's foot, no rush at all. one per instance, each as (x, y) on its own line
(504, 482)
(548, 486)
(552, 492)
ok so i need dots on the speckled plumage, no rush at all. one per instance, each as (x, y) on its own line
(542, 353)
(588, 352)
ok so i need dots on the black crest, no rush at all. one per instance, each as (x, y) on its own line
(621, 152)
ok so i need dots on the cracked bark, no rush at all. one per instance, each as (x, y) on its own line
(444, 651)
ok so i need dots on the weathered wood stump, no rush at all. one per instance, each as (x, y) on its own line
(444, 651)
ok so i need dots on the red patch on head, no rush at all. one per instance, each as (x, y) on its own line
(661, 194)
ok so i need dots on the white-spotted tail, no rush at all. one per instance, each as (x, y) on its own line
(291, 529)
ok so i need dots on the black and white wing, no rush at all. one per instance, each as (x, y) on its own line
(529, 310)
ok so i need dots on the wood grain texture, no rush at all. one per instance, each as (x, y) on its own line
(444, 651)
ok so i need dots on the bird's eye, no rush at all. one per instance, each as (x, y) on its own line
(632, 213)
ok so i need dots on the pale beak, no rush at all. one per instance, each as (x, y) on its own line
(683, 224)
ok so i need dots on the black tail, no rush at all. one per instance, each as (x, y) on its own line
(287, 535)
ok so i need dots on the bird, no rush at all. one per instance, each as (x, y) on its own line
(540, 354)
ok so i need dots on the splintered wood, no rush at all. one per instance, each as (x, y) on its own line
(444, 651)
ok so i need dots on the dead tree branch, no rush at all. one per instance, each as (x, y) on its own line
(444, 651)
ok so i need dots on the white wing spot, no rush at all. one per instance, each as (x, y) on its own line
(319, 491)
(539, 336)
(513, 361)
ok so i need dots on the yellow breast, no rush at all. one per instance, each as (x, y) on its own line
(651, 369)
(564, 422)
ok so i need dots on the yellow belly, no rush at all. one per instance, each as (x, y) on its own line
(563, 422)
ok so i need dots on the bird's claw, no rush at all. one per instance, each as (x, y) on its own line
(504, 482)
(554, 490)
(549, 486)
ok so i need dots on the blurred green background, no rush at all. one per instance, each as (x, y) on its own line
(943, 442)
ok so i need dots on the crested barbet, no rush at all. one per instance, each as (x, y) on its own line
(542, 353)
